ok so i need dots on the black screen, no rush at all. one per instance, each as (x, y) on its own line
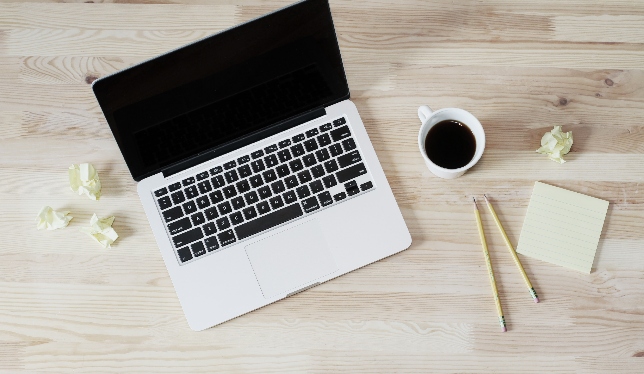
(224, 87)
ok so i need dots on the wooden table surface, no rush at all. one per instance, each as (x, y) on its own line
(521, 67)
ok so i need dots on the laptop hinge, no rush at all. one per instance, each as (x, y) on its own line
(243, 141)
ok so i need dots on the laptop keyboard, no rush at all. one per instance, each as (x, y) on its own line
(294, 177)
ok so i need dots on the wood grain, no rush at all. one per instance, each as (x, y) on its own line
(66, 305)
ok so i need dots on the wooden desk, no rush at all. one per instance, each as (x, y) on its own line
(521, 67)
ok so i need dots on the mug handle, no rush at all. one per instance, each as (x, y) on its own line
(424, 112)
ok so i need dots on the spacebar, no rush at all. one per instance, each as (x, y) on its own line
(270, 220)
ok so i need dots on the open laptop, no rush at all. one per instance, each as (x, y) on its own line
(254, 168)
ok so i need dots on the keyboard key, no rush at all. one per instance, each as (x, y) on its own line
(202, 176)
(322, 155)
(298, 138)
(236, 218)
(296, 165)
(351, 172)
(197, 219)
(179, 226)
(291, 182)
(339, 122)
(229, 191)
(226, 237)
(256, 180)
(309, 160)
(269, 176)
(218, 181)
(188, 181)
(203, 202)
(276, 202)
(224, 208)
(178, 197)
(264, 192)
(174, 186)
(278, 187)
(316, 186)
(244, 171)
(209, 228)
(271, 161)
(289, 197)
(268, 221)
(340, 133)
(231, 176)
(263, 207)
(366, 185)
(303, 191)
(325, 198)
(216, 197)
(172, 214)
(335, 149)
(270, 148)
(160, 192)
(297, 150)
(284, 143)
(238, 203)
(284, 155)
(211, 213)
(257, 165)
(304, 176)
(326, 127)
(187, 237)
(191, 192)
(329, 181)
(250, 212)
(216, 170)
(317, 171)
(310, 145)
(204, 187)
(331, 166)
(223, 223)
(282, 170)
(243, 186)
(243, 159)
(349, 144)
(339, 196)
(257, 154)
(189, 207)
(312, 132)
(251, 197)
(184, 254)
(324, 140)
(349, 159)
(211, 243)
(229, 165)
(165, 202)
(310, 204)
(353, 191)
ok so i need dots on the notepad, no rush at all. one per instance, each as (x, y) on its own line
(562, 227)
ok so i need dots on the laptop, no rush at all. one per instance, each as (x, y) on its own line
(253, 166)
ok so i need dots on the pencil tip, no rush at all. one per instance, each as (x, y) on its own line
(486, 200)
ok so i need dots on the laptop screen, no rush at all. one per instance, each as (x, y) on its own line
(224, 87)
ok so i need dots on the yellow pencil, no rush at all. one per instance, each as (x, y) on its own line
(489, 268)
(533, 293)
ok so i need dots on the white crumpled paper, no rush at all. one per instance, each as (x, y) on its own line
(101, 230)
(555, 144)
(51, 220)
(83, 179)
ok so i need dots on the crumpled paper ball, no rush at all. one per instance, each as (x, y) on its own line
(101, 230)
(83, 179)
(51, 220)
(555, 144)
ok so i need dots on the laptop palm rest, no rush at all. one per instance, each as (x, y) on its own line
(291, 259)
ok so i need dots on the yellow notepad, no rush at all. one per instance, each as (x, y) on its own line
(562, 227)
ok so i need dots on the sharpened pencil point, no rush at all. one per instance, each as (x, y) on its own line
(474, 200)
(486, 200)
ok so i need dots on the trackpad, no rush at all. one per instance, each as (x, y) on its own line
(291, 259)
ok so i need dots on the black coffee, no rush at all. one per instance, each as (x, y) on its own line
(450, 144)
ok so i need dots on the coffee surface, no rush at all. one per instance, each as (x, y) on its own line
(450, 144)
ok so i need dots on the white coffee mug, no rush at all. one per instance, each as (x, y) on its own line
(429, 119)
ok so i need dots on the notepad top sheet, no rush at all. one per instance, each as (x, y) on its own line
(562, 227)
